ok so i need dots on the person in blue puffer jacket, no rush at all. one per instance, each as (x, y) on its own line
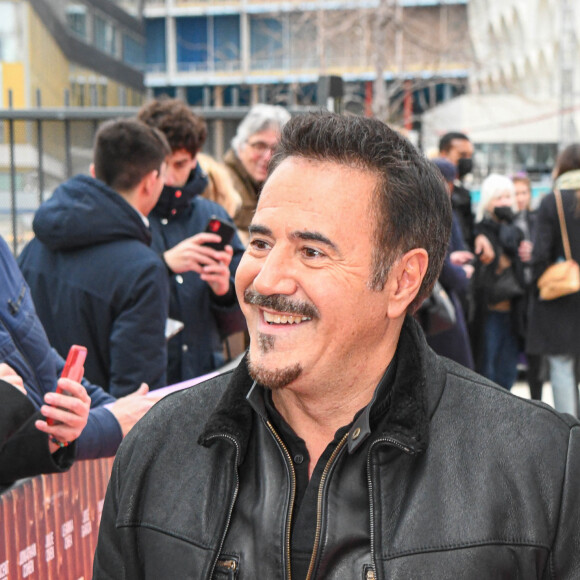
(24, 346)
(94, 279)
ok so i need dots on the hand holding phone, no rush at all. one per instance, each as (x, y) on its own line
(73, 368)
(223, 229)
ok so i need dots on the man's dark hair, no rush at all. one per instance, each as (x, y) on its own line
(411, 203)
(445, 143)
(183, 129)
(125, 151)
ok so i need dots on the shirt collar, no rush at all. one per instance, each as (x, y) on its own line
(364, 420)
(144, 218)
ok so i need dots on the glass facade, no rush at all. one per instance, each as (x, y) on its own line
(104, 35)
(133, 51)
(11, 48)
(76, 17)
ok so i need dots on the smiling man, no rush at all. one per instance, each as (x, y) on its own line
(342, 446)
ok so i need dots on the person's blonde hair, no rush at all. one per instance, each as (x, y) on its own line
(492, 187)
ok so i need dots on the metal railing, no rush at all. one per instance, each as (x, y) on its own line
(40, 148)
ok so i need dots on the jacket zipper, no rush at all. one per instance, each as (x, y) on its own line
(292, 497)
(319, 504)
(372, 573)
(232, 503)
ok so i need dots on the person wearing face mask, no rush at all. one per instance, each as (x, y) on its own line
(202, 278)
(457, 148)
(497, 319)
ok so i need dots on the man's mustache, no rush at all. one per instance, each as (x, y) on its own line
(281, 303)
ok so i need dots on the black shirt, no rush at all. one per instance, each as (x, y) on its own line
(305, 504)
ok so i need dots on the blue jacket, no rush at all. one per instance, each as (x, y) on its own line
(197, 349)
(25, 347)
(95, 282)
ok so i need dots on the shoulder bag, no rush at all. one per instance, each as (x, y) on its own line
(437, 312)
(561, 278)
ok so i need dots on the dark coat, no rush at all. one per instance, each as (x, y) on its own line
(554, 325)
(464, 481)
(505, 239)
(95, 282)
(454, 343)
(25, 347)
(461, 202)
(208, 319)
(24, 449)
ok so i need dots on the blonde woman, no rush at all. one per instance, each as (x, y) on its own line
(498, 287)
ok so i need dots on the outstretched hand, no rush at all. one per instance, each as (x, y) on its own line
(129, 409)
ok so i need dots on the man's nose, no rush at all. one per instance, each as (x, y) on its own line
(277, 274)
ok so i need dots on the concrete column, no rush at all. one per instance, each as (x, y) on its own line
(244, 43)
(170, 48)
(218, 125)
(181, 93)
(255, 96)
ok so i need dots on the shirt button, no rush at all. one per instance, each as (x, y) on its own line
(164, 221)
(184, 348)
(179, 279)
(298, 459)
(356, 433)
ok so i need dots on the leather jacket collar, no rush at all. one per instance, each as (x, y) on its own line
(408, 407)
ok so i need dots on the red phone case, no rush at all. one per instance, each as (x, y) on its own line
(222, 229)
(73, 368)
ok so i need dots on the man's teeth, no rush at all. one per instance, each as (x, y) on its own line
(283, 318)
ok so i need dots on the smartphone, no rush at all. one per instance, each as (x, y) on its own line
(223, 229)
(73, 368)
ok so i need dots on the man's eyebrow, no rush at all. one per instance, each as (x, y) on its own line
(314, 237)
(256, 229)
(261, 230)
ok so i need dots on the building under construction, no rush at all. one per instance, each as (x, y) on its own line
(391, 57)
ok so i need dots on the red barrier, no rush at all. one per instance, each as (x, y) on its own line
(50, 523)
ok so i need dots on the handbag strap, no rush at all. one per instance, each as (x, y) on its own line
(563, 229)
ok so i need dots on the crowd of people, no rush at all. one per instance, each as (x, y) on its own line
(496, 255)
(126, 262)
(122, 263)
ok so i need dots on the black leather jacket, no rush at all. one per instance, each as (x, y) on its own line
(464, 481)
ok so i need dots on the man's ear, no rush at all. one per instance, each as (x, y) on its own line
(405, 279)
(92, 169)
(149, 181)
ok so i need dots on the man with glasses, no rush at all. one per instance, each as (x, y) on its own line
(247, 161)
